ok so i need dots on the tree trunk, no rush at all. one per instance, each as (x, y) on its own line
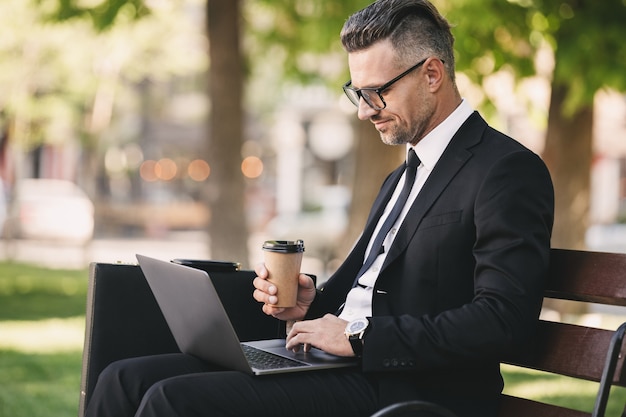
(228, 227)
(568, 154)
(374, 161)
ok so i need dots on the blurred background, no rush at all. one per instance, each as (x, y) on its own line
(200, 128)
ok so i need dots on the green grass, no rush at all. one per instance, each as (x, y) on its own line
(38, 384)
(32, 293)
(41, 329)
(558, 390)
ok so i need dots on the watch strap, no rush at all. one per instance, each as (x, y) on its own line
(356, 342)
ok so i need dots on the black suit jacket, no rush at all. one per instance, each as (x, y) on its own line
(461, 286)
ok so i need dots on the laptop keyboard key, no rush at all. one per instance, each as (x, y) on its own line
(261, 359)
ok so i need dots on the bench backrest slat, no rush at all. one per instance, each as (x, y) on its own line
(561, 346)
(573, 350)
(522, 407)
(595, 277)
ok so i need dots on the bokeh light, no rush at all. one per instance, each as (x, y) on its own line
(166, 169)
(252, 167)
(147, 171)
(198, 170)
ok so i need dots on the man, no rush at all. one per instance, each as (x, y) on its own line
(437, 290)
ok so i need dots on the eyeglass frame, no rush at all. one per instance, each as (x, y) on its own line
(378, 90)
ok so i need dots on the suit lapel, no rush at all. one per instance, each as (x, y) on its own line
(349, 268)
(452, 160)
(381, 202)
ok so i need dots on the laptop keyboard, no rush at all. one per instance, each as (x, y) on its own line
(261, 359)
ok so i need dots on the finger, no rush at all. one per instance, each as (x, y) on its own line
(296, 345)
(297, 337)
(258, 295)
(292, 334)
(293, 344)
(268, 309)
(305, 281)
(272, 311)
(289, 325)
(263, 297)
(296, 348)
(261, 270)
(297, 327)
(264, 286)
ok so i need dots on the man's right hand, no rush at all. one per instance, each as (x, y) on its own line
(265, 292)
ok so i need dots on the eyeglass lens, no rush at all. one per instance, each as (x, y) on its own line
(371, 97)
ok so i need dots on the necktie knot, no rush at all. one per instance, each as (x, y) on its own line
(412, 159)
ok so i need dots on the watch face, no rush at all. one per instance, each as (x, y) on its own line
(356, 326)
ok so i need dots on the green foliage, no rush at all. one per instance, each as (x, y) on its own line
(298, 40)
(303, 34)
(586, 38)
(103, 16)
(486, 41)
(64, 81)
(591, 50)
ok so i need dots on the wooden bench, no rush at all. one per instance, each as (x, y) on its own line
(574, 350)
(123, 320)
(565, 349)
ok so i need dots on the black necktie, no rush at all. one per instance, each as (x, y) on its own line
(411, 165)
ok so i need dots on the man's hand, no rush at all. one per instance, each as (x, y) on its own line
(326, 333)
(265, 292)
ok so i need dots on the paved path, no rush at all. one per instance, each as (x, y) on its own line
(193, 245)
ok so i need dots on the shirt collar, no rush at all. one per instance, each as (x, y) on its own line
(431, 147)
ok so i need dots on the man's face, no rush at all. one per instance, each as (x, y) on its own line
(410, 107)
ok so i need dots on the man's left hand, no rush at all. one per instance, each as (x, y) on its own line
(326, 333)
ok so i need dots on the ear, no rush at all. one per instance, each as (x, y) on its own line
(436, 73)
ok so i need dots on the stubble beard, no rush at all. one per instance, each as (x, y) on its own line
(398, 136)
(401, 134)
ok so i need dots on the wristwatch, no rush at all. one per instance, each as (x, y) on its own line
(354, 332)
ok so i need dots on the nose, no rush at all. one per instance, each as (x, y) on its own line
(365, 111)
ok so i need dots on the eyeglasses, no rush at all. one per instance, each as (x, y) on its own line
(372, 96)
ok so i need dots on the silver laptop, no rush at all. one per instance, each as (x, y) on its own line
(201, 327)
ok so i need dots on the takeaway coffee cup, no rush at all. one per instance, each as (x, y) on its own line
(282, 260)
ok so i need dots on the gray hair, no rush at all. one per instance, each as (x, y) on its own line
(415, 27)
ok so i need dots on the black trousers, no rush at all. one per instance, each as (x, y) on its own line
(181, 385)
